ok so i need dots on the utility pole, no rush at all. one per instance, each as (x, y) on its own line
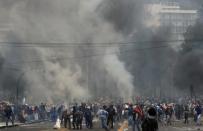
(192, 92)
(104, 83)
(18, 86)
(87, 66)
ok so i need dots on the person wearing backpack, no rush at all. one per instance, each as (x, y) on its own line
(138, 116)
(150, 123)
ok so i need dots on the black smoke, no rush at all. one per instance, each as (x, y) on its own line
(125, 16)
(150, 57)
(189, 69)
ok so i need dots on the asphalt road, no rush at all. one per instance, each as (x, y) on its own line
(47, 126)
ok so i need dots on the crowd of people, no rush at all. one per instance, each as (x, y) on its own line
(142, 115)
(23, 113)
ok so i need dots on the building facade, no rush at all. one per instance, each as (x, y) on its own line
(177, 19)
(170, 14)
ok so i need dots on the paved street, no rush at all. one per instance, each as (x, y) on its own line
(47, 126)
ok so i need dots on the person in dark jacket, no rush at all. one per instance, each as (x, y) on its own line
(111, 115)
(66, 118)
(74, 113)
(9, 115)
(53, 114)
(130, 115)
(88, 117)
(186, 114)
(198, 110)
(150, 123)
(79, 119)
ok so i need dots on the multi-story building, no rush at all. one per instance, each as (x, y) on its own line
(170, 14)
(177, 19)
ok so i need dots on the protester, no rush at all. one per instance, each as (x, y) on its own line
(138, 116)
(150, 123)
(169, 113)
(198, 110)
(79, 119)
(53, 114)
(103, 115)
(130, 115)
(88, 117)
(64, 118)
(186, 114)
(111, 113)
(9, 115)
(134, 115)
(74, 114)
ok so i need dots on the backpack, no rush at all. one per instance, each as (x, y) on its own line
(140, 112)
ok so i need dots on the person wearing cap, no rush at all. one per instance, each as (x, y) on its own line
(150, 123)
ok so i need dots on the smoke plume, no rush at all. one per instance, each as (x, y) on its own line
(56, 73)
(71, 49)
(189, 69)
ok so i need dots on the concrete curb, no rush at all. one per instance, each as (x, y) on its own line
(3, 127)
(20, 124)
(33, 122)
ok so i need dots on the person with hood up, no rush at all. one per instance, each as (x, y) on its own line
(150, 123)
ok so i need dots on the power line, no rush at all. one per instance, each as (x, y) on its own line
(14, 64)
(86, 44)
(95, 55)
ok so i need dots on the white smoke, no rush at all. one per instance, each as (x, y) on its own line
(64, 21)
(117, 71)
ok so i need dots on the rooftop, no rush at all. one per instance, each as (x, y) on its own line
(179, 11)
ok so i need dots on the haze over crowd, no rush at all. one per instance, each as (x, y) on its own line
(67, 49)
